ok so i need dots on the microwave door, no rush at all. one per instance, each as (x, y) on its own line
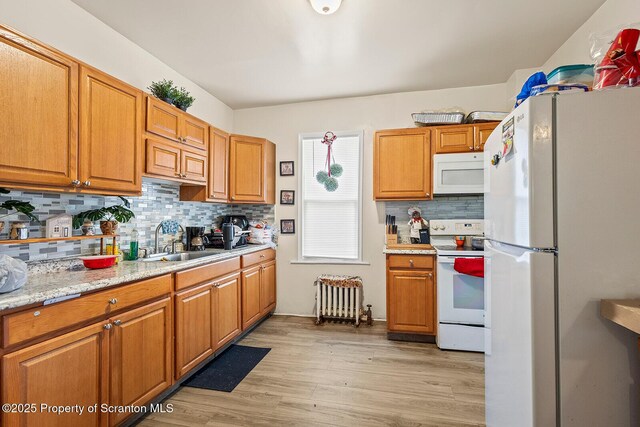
(458, 173)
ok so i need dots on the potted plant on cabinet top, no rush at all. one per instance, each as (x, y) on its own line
(24, 208)
(109, 216)
(164, 90)
(183, 99)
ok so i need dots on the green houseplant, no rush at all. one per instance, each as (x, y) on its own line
(164, 90)
(109, 216)
(24, 208)
(183, 99)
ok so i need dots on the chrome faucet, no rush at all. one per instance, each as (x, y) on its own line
(173, 244)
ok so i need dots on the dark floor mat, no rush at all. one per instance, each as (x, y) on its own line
(226, 371)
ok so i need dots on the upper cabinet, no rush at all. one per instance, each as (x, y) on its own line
(110, 133)
(251, 170)
(167, 121)
(461, 138)
(38, 114)
(218, 185)
(64, 126)
(402, 164)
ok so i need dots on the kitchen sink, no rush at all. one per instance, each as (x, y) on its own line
(182, 256)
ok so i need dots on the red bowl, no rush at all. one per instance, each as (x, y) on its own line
(99, 261)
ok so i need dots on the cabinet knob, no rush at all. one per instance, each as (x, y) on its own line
(411, 262)
(113, 301)
(233, 198)
(470, 147)
(117, 322)
(75, 182)
(427, 194)
(179, 175)
(184, 175)
(261, 256)
(87, 183)
(430, 275)
(107, 326)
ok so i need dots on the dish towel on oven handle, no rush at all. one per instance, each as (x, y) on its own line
(470, 266)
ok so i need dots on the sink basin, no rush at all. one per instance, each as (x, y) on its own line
(183, 256)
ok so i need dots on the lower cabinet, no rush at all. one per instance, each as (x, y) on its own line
(251, 304)
(268, 287)
(194, 327)
(72, 369)
(140, 347)
(226, 307)
(411, 295)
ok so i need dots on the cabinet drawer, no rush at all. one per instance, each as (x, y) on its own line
(26, 325)
(258, 257)
(411, 261)
(187, 278)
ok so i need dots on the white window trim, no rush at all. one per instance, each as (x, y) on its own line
(316, 260)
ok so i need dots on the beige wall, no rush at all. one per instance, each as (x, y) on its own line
(610, 16)
(282, 124)
(69, 28)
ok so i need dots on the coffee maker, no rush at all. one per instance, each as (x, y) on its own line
(195, 239)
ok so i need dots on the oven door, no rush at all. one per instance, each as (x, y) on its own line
(460, 296)
(458, 173)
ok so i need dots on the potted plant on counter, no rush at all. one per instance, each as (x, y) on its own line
(24, 208)
(109, 216)
(164, 90)
(183, 99)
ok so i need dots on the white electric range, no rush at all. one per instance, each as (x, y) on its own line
(460, 296)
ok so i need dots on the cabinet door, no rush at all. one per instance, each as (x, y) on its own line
(194, 328)
(268, 287)
(481, 134)
(72, 369)
(251, 309)
(194, 166)
(163, 119)
(246, 169)
(228, 317)
(453, 139)
(402, 165)
(38, 114)
(218, 185)
(110, 133)
(411, 297)
(140, 347)
(163, 159)
(194, 132)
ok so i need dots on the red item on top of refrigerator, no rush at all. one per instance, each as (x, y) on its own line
(620, 66)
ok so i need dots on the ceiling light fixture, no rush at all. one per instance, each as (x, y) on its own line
(325, 7)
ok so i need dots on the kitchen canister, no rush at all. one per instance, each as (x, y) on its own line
(19, 231)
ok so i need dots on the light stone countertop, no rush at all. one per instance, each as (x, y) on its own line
(624, 312)
(409, 251)
(47, 285)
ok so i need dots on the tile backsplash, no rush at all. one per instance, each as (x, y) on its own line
(441, 207)
(159, 201)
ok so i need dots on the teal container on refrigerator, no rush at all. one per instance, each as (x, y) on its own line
(578, 73)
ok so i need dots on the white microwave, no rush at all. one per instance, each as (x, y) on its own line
(458, 173)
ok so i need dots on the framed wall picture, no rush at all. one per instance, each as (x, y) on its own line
(286, 168)
(288, 226)
(287, 197)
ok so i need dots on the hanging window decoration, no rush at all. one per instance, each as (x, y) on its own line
(333, 171)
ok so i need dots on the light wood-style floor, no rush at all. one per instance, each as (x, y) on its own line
(338, 375)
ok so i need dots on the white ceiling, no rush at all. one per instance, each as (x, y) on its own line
(265, 52)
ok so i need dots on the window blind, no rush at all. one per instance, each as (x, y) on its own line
(331, 221)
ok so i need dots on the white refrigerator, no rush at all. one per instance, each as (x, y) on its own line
(562, 213)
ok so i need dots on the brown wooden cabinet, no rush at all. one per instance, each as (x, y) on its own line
(71, 369)
(193, 327)
(268, 287)
(251, 170)
(110, 133)
(251, 303)
(38, 114)
(218, 184)
(227, 294)
(170, 160)
(169, 122)
(402, 165)
(462, 138)
(453, 139)
(141, 348)
(411, 294)
(481, 134)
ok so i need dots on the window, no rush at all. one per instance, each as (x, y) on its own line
(331, 221)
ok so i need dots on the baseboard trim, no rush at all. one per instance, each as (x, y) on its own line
(403, 336)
